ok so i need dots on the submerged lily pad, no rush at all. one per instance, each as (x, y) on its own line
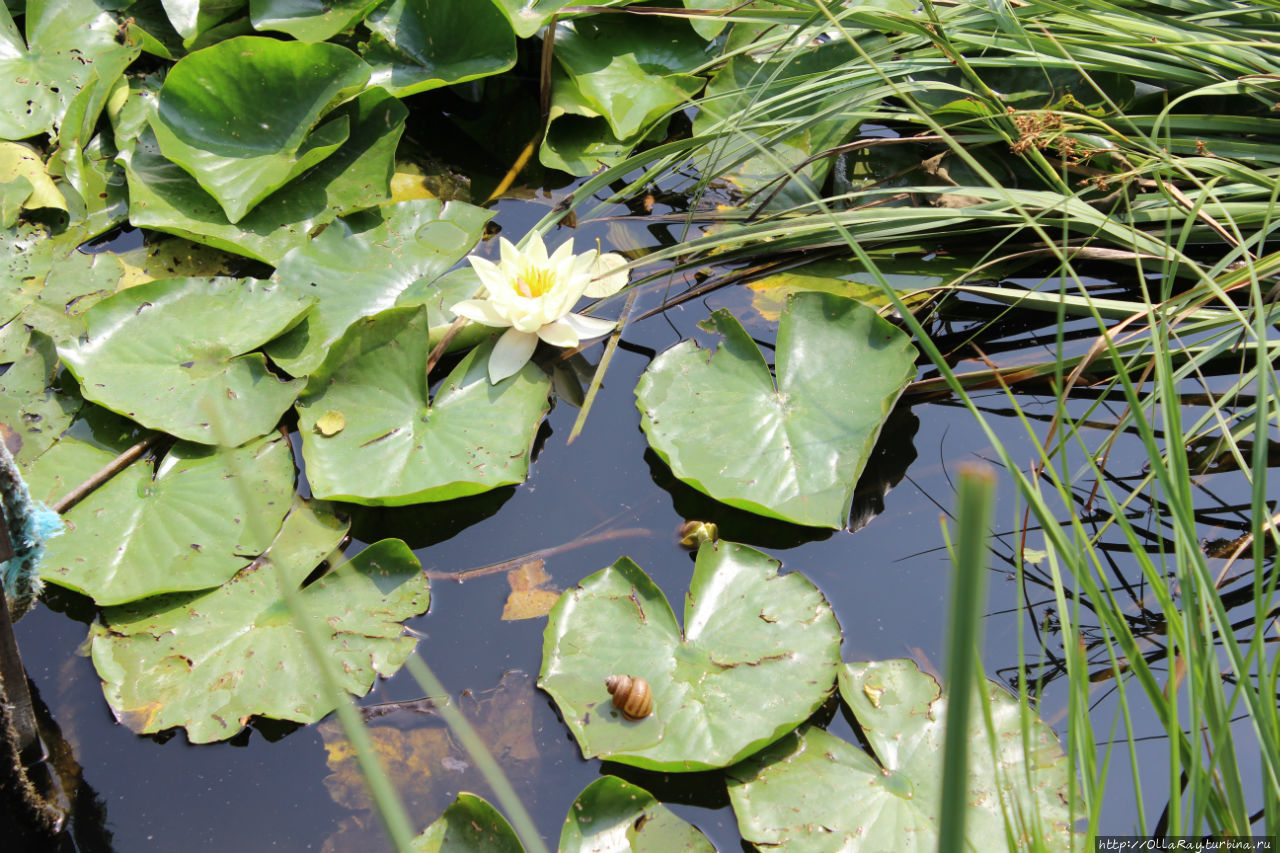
(418, 46)
(614, 816)
(192, 525)
(795, 449)
(757, 655)
(211, 661)
(244, 116)
(357, 274)
(398, 447)
(175, 355)
(812, 791)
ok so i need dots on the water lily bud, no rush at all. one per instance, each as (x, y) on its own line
(694, 533)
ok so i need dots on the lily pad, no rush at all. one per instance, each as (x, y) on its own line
(211, 661)
(470, 825)
(308, 20)
(190, 522)
(190, 18)
(757, 656)
(32, 412)
(69, 45)
(796, 448)
(614, 816)
(418, 46)
(164, 197)
(398, 447)
(632, 70)
(244, 116)
(812, 791)
(357, 274)
(529, 16)
(174, 355)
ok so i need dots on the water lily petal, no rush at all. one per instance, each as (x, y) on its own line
(509, 253)
(563, 251)
(481, 311)
(510, 354)
(607, 275)
(589, 327)
(535, 251)
(489, 273)
(561, 333)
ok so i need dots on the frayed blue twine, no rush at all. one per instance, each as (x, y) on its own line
(31, 523)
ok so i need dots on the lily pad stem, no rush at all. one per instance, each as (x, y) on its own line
(438, 350)
(115, 466)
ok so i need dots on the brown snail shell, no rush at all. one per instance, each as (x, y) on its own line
(631, 696)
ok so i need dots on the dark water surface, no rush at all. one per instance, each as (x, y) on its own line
(888, 583)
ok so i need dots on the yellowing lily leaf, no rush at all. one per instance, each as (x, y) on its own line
(843, 278)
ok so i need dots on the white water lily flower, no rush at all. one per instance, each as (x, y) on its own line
(533, 295)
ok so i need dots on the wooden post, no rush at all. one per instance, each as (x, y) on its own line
(13, 677)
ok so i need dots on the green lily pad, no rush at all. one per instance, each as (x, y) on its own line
(69, 45)
(211, 661)
(470, 825)
(308, 20)
(190, 522)
(757, 656)
(797, 448)
(578, 138)
(164, 197)
(529, 16)
(614, 816)
(812, 791)
(74, 283)
(174, 355)
(94, 439)
(418, 46)
(32, 412)
(190, 18)
(244, 116)
(357, 274)
(631, 70)
(398, 447)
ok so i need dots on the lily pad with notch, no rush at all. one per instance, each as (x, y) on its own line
(246, 116)
(144, 357)
(164, 197)
(797, 446)
(190, 522)
(210, 661)
(813, 792)
(757, 655)
(400, 446)
(356, 274)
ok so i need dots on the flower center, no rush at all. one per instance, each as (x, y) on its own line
(535, 281)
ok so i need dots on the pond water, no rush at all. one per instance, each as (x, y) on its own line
(584, 505)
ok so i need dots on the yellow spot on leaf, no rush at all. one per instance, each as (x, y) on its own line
(331, 423)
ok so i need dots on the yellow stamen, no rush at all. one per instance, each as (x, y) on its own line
(535, 281)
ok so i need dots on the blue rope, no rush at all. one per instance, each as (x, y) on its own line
(30, 524)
